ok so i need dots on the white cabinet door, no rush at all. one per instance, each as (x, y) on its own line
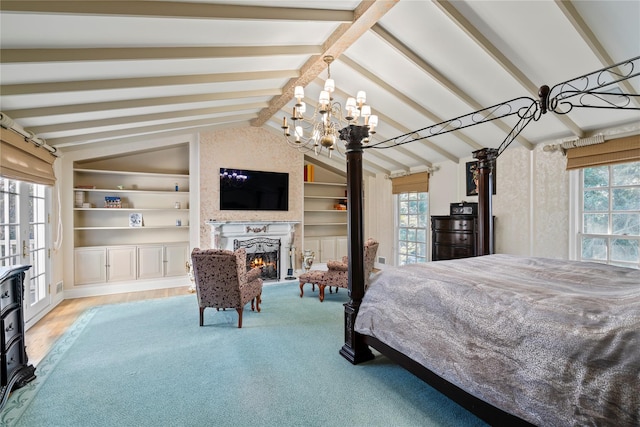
(175, 259)
(90, 265)
(121, 263)
(150, 261)
(327, 249)
(342, 247)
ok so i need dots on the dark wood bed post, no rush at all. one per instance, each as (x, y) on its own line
(354, 349)
(486, 163)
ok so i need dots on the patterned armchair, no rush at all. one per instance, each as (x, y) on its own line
(337, 271)
(222, 281)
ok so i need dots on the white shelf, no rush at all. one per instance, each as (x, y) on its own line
(323, 224)
(146, 227)
(145, 174)
(337, 184)
(327, 210)
(132, 209)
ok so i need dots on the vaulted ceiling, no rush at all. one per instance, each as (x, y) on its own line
(99, 72)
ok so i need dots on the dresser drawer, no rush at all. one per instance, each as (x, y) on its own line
(452, 224)
(463, 239)
(11, 327)
(8, 294)
(443, 252)
(11, 360)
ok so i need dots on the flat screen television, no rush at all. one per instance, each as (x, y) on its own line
(247, 190)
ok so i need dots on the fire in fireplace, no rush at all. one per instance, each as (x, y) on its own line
(263, 253)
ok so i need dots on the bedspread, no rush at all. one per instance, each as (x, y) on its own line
(554, 342)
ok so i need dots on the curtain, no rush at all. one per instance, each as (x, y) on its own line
(621, 150)
(418, 182)
(23, 160)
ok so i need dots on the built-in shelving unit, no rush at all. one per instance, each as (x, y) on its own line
(110, 245)
(325, 225)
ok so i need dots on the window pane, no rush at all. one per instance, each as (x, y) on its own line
(413, 221)
(421, 235)
(402, 233)
(627, 224)
(404, 220)
(624, 250)
(626, 199)
(404, 207)
(411, 235)
(596, 223)
(626, 174)
(596, 200)
(413, 207)
(594, 249)
(596, 177)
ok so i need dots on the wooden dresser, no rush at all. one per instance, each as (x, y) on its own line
(15, 371)
(454, 236)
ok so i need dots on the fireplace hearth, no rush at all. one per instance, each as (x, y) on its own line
(264, 253)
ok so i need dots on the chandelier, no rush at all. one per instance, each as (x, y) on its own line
(321, 130)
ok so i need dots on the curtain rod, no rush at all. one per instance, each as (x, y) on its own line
(8, 123)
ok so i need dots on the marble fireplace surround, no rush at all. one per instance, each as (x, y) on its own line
(223, 233)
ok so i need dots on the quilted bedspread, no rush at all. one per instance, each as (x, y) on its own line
(554, 342)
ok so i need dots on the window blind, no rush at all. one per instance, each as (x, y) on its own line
(24, 161)
(416, 182)
(621, 150)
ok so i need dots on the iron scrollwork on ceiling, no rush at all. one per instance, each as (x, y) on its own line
(603, 88)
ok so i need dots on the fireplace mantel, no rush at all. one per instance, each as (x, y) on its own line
(223, 233)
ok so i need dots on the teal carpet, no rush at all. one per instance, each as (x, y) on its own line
(148, 363)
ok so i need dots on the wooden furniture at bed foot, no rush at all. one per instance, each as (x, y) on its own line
(15, 372)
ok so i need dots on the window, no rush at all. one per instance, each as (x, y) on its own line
(413, 219)
(610, 214)
(23, 237)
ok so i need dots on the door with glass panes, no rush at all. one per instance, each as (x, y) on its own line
(24, 237)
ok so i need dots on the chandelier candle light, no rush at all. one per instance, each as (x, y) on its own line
(321, 130)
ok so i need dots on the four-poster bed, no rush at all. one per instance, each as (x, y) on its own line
(499, 407)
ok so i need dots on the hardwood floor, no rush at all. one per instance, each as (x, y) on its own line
(41, 336)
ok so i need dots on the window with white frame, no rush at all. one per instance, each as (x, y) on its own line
(610, 214)
(413, 220)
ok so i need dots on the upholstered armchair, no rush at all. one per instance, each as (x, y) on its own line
(222, 281)
(337, 271)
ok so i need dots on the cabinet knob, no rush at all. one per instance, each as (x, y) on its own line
(5, 294)
(9, 328)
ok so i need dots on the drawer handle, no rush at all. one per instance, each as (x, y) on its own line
(9, 328)
(5, 295)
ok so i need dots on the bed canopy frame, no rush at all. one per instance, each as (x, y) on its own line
(593, 90)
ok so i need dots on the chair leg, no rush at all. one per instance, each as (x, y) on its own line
(201, 316)
(258, 302)
(239, 310)
(301, 291)
(322, 292)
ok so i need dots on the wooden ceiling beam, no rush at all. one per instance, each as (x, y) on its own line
(58, 110)
(12, 56)
(366, 14)
(138, 82)
(177, 9)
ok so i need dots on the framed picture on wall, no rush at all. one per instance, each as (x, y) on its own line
(471, 173)
(135, 220)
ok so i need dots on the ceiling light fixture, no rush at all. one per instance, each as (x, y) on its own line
(321, 130)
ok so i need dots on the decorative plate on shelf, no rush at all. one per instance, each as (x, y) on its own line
(135, 220)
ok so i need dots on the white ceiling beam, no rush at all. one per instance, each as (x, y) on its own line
(581, 27)
(442, 80)
(463, 23)
(177, 9)
(186, 126)
(366, 14)
(434, 118)
(150, 53)
(136, 103)
(129, 119)
(138, 82)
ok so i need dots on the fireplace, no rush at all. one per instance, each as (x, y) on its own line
(264, 253)
(266, 235)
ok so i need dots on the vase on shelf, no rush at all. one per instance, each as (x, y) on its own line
(307, 259)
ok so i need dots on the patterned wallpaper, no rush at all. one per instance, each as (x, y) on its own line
(247, 148)
(531, 204)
